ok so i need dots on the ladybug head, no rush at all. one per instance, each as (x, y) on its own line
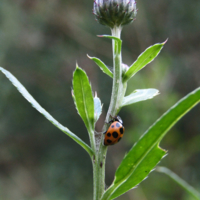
(118, 118)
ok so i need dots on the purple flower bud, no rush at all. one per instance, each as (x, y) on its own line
(113, 13)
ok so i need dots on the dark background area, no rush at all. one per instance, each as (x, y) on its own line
(40, 43)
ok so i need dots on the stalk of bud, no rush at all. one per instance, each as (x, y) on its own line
(114, 13)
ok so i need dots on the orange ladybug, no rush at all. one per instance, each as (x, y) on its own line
(115, 131)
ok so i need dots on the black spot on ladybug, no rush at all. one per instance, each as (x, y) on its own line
(109, 141)
(115, 134)
(118, 124)
(108, 134)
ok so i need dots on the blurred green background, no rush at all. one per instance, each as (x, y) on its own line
(40, 43)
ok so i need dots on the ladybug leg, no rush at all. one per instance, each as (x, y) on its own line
(111, 121)
(113, 118)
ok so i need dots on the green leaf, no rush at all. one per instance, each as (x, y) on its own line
(145, 154)
(118, 42)
(188, 188)
(139, 95)
(102, 66)
(144, 58)
(97, 107)
(36, 105)
(83, 98)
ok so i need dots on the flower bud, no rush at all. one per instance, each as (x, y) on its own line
(125, 68)
(113, 13)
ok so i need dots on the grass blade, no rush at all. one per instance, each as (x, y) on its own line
(188, 188)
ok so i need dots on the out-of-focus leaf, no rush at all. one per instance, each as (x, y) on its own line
(83, 98)
(36, 105)
(102, 66)
(139, 95)
(188, 188)
(97, 108)
(146, 153)
(144, 58)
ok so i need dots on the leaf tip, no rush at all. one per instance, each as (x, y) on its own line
(164, 150)
(77, 67)
(89, 56)
(165, 42)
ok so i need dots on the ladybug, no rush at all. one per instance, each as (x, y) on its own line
(115, 131)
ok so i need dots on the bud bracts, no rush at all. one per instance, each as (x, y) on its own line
(114, 12)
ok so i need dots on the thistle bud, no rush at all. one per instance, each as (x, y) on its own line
(113, 13)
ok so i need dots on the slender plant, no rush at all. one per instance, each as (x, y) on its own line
(145, 153)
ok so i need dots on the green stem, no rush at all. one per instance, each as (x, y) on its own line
(92, 139)
(118, 91)
(117, 76)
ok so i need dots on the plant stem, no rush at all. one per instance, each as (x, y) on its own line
(117, 76)
(118, 90)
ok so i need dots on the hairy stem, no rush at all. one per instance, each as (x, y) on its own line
(118, 90)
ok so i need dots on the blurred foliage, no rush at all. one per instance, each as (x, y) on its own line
(40, 42)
